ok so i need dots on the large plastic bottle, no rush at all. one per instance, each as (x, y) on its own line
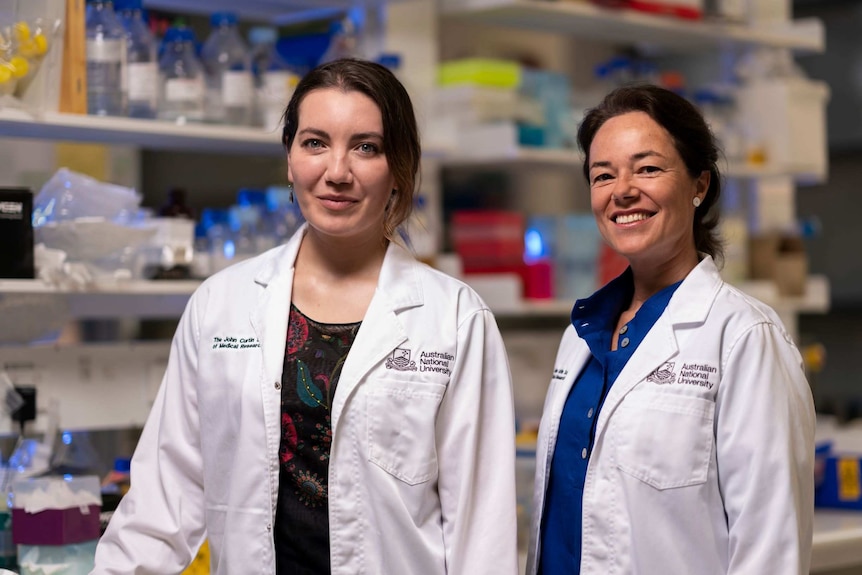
(275, 79)
(344, 39)
(143, 67)
(227, 63)
(181, 77)
(106, 60)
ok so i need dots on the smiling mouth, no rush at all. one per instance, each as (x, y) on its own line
(631, 218)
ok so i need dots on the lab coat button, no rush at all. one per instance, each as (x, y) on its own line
(584, 453)
(269, 526)
(624, 342)
(278, 385)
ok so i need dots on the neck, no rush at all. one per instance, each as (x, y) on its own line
(339, 257)
(652, 277)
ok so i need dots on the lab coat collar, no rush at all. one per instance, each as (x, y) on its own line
(688, 307)
(398, 287)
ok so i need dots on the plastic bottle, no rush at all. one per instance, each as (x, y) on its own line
(263, 230)
(106, 60)
(245, 229)
(173, 243)
(227, 63)
(181, 77)
(175, 206)
(219, 236)
(275, 79)
(344, 40)
(143, 67)
(284, 216)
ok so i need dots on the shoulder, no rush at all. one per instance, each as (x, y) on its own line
(738, 309)
(239, 279)
(441, 287)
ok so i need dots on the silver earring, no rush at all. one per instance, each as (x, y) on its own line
(696, 201)
(290, 187)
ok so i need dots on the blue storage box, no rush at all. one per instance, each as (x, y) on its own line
(837, 479)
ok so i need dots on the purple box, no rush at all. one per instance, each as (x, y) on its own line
(55, 526)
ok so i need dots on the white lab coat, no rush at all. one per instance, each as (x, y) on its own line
(703, 461)
(421, 476)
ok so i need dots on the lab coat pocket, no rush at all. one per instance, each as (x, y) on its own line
(401, 431)
(666, 440)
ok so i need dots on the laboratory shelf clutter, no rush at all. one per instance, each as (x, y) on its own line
(167, 298)
(650, 32)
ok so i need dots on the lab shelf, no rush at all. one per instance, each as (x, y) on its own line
(814, 300)
(168, 298)
(653, 33)
(150, 134)
(520, 157)
(116, 299)
(281, 12)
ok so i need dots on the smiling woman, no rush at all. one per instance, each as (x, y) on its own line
(681, 440)
(332, 431)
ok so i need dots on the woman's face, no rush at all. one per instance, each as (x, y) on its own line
(641, 192)
(338, 166)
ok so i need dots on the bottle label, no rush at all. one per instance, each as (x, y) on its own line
(279, 86)
(236, 89)
(143, 81)
(105, 51)
(184, 90)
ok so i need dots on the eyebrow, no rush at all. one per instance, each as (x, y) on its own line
(325, 135)
(634, 158)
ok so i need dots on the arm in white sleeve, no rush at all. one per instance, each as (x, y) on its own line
(476, 455)
(765, 451)
(159, 523)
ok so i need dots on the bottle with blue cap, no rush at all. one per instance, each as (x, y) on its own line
(106, 60)
(142, 70)
(274, 78)
(181, 77)
(227, 66)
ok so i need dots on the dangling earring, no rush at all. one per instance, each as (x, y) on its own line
(290, 187)
(696, 201)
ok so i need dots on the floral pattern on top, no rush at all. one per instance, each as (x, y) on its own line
(314, 356)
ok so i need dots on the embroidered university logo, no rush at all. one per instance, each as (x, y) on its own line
(663, 375)
(400, 360)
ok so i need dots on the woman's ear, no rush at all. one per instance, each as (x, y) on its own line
(703, 183)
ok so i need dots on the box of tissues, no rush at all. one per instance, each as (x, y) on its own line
(56, 510)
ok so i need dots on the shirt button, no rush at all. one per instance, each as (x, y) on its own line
(624, 342)
(584, 453)
(624, 329)
(278, 385)
(590, 413)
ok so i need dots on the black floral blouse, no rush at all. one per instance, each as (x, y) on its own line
(313, 359)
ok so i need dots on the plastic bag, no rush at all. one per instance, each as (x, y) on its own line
(23, 47)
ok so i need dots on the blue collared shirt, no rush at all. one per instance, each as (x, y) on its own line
(595, 320)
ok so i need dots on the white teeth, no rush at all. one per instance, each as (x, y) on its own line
(629, 218)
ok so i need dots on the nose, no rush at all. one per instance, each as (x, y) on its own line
(625, 190)
(338, 168)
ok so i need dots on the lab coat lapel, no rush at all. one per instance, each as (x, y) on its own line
(382, 330)
(688, 307)
(269, 318)
(574, 357)
(274, 281)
